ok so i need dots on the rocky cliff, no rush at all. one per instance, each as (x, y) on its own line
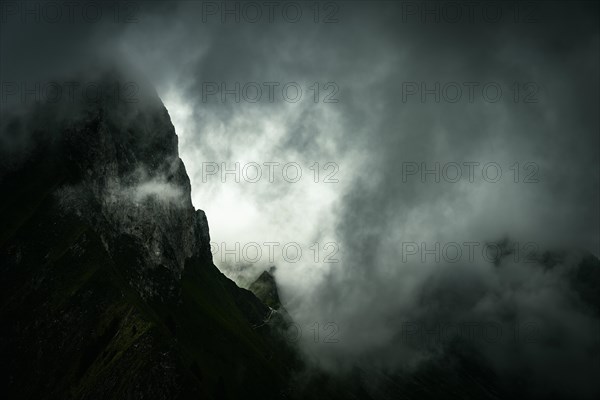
(108, 286)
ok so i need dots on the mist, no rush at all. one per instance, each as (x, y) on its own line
(406, 197)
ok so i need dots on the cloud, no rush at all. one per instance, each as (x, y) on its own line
(377, 57)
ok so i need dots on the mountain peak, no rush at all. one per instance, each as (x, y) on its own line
(113, 161)
(265, 288)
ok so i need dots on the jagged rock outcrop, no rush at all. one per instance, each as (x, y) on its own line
(265, 288)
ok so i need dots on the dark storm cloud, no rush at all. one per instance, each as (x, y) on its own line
(376, 54)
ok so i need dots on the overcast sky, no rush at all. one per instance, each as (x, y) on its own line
(402, 87)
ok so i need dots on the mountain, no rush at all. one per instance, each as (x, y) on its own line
(108, 288)
(108, 285)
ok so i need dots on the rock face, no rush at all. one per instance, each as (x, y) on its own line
(265, 288)
(108, 289)
(128, 180)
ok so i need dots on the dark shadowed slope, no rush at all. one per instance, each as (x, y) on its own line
(108, 286)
